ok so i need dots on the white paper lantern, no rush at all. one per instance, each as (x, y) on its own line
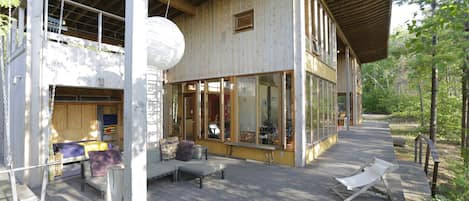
(165, 43)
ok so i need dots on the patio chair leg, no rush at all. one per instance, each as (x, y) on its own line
(386, 185)
(175, 176)
(365, 188)
(201, 182)
(222, 174)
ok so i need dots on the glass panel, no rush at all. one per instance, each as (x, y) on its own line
(308, 108)
(227, 108)
(328, 108)
(176, 108)
(315, 107)
(321, 109)
(331, 111)
(269, 102)
(190, 87)
(202, 110)
(342, 112)
(213, 107)
(189, 116)
(289, 110)
(247, 109)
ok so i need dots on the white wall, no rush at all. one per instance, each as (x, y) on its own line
(17, 110)
(214, 50)
(83, 67)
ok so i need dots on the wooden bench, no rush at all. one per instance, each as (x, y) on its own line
(269, 150)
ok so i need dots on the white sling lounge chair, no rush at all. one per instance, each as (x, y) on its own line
(366, 177)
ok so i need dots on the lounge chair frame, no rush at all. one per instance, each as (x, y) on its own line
(370, 186)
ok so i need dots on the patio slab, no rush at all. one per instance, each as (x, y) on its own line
(255, 181)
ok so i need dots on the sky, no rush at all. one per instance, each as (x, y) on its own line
(401, 14)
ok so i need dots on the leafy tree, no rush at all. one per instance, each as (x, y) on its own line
(4, 18)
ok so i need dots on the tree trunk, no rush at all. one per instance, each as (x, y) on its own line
(464, 109)
(433, 107)
(422, 115)
(465, 103)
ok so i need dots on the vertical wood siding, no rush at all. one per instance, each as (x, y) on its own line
(213, 49)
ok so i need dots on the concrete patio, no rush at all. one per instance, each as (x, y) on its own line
(255, 181)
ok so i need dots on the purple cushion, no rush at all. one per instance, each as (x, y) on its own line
(101, 160)
(69, 149)
(184, 151)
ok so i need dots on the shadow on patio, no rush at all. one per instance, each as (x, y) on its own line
(253, 181)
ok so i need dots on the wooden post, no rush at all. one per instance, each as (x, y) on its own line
(415, 150)
(222, 109)
(348, 82)
(284, 111)
(435, 177)
(100, 29)
(427, 159)
(34, 140)
(197, 115)
(20, 26)
(420, 151)
(135, 101)
(300, 78)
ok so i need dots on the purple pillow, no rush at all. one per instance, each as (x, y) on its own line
(184, 151)
(101, 160)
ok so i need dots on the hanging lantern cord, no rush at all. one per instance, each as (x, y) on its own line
(167, 9)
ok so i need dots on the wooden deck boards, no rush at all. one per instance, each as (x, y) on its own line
(253, 181)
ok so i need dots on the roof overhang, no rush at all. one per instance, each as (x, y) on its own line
(365, 24)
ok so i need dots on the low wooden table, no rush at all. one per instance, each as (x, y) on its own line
(269, 150)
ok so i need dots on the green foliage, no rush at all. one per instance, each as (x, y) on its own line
(8, 3)
(459, 185)
(391, 85)
(4, 19)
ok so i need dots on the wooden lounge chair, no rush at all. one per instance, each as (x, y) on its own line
(365, 178)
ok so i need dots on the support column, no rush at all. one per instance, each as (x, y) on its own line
(348, 83)
(135, 101)
(34, 140)
(299, 64)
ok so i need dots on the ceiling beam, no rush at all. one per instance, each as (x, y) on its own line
(180, 5)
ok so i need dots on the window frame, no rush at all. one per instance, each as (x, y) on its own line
(250, 26)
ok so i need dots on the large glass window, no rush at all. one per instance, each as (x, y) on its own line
(269, 103)
(289, 110)
(202, 100)
(176, 110)
(315, 101)
(227, 86)
(204, 109)
(247, 109)
(308, 112)
(213, 109)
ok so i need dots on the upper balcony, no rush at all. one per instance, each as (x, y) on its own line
(89, 51)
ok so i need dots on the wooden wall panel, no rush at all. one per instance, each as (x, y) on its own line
(74, 122)
(213, 49)
(74, 116)
(341, 74)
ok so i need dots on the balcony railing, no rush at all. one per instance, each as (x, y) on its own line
(431, 151)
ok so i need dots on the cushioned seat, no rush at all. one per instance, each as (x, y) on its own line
(156, 170)
(201, 170)
(98, 183)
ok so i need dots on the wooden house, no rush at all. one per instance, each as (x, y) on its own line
(260, 79)
(252, 77)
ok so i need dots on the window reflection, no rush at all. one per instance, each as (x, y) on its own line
(227, 86)
(247, 109)
(269, 97)
(213, 106)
